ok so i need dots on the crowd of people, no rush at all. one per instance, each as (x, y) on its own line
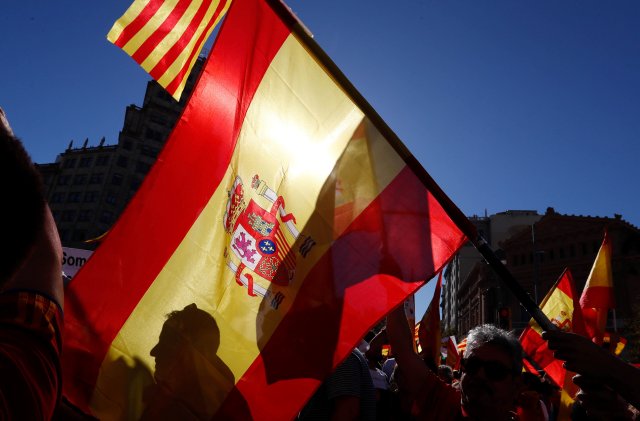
(489, 384)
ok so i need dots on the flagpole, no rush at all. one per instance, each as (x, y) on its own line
(452, 210)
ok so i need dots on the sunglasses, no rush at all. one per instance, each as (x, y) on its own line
(494, 370)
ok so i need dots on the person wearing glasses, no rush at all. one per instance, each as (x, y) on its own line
(490, 381)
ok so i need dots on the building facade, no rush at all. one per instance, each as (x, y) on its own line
(538, 257)
(468, 297)
(88, 187)
(536, 250)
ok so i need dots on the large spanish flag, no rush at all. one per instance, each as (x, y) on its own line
(165, 37)
(597, 296)
(561, 306)
(281, 221)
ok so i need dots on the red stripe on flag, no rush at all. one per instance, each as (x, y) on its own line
(136, 252)
(175, 83)
(348, 290)
(597, 297)
(138, 23)
(161, 32)
(167, 60)
(537, 349)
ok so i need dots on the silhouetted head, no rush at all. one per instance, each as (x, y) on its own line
(22, 210)
(185, 332)
(491, 370)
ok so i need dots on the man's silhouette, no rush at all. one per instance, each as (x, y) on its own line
(191, 381)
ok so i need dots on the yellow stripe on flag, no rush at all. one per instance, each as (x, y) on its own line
(150, 27)
(181, 60)
(172, 37)
(132, 12)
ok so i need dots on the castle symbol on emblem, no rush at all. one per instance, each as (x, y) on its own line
(260, 239)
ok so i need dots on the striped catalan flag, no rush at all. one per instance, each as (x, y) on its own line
(165, 37)
(282, 220)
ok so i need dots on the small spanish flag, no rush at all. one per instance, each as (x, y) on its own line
(598, 295)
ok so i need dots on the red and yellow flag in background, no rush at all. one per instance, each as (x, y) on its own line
(598, 295)
(278, 225)
(452, 352)
(429, 330)
(561, 306)
(165, 37)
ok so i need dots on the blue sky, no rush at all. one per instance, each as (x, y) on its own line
(508, 104)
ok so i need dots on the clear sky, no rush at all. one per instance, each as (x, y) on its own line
(508, 104)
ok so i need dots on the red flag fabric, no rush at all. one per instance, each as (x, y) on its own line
(598, 295)
(561, 306)
(452, 352)
(528, 367)
(462, 347)
(429, 330)
(280, 223)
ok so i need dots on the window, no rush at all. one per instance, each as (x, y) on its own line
(159, 119)
(153, 135)
(116, 180)
(551, 255)
(79, 179)
(64, 180)
(123, 161)
(584, 248)
(90, 196)
(96, 178)
(106, 217)
(79, 235)
(561, 253)
(74, 197)
(69, 163)
(148, 151)
(102, 160)
(127, 145)
(142, 167)
(57, 198)
(68, 216)
(64, 234)
(111, 198)
(84, 215)
(572, 250)
(85, 162)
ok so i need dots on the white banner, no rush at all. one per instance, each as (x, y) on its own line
(72, 261)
